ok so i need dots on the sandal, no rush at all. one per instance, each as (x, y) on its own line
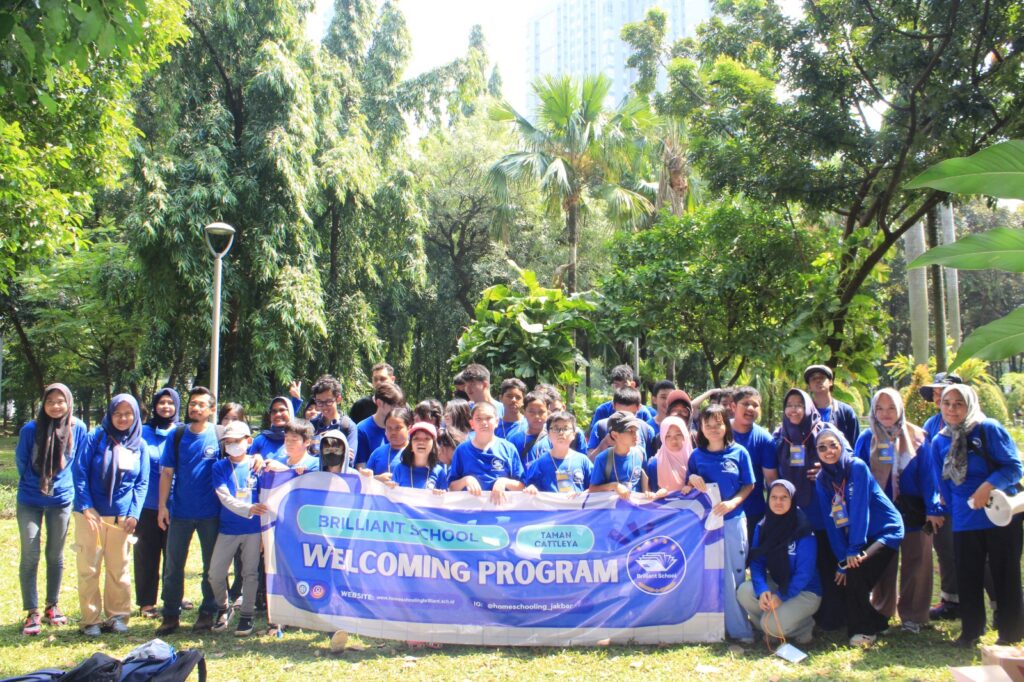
(53, 616)
(863, 641)
(149, 612)
(32, 625)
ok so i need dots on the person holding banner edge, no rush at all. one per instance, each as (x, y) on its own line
(486, 463)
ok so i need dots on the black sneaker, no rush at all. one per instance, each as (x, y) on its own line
(965, 642)
(220, 622)
(167, 626)
(244, 627)
(203, 622)
(945, 610)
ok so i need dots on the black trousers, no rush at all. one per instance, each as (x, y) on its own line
(831, 614)
(1001, 546)
(148, 555)
(861, 616)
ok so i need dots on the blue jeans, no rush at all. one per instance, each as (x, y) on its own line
(179, 537)
(736, 624)
(30, 522)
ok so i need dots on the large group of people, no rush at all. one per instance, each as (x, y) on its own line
(826, 526)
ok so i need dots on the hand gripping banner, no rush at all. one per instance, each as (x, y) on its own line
(344, 552)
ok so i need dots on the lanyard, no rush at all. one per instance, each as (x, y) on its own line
(615, 469)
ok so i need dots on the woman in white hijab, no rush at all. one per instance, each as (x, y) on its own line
(973, 456)
(897, 452)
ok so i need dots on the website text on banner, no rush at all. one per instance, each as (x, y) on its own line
(344, 552)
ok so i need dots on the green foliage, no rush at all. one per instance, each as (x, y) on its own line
(992, 403)
(1013, 384)
(997, 171)
(832, 109)
(67, 70)
(528, 335)
(918, 409)
(710, 282)
(577, 151)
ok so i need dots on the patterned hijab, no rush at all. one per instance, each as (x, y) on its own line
(904, 437)
(954, 467)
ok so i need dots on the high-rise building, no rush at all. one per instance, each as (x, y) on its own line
(581, 38)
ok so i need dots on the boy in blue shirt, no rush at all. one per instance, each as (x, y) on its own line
(560, 469)
(237, 487)
(819, 379)
(621, 377)
(298, 438)
(625, 400)
(759, 445)
(387, 396)
(512, 393)
(536, 406)
(477, 380)
(620, 468)
(486, 462)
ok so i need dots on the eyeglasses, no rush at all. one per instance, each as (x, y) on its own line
(562, 430)
(828, 447)
(198, 403)
(325, 403)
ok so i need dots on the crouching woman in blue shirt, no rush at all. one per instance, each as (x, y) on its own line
(863, 527)
(784, 590)
(977, 456)
(111, 478)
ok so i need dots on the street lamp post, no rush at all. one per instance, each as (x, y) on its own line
(217, 230)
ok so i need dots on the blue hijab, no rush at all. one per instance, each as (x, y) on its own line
(275, 434)
(833, 475)
(164, 423)
(130, 438)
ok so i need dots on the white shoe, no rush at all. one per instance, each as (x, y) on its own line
(910, 626)
(863, 641)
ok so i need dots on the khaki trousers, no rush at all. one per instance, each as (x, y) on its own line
(94, 548)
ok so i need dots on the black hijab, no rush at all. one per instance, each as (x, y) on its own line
(778, 532)
(54, 440)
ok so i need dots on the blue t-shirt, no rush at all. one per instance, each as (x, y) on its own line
(645, 437)
(416, 477)
(382, 457)
(267, 448)
(571, 474)
(625, 469)
(237, 477)
(525, 443)
(605, 410)
(507, 430)
(498, 460)
(308, 463)
(761, 448)
(371, 437)
(543, 446)
(192, 495)
(729, 468)
(28, 479)
(155, 438)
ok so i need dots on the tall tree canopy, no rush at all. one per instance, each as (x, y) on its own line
(834, 109)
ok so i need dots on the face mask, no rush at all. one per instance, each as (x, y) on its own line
(236, 449)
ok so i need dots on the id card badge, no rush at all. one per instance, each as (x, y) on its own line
(797, 457)
(126, 459)
(839, 512)
(243, 493)
(885, 456)
(564, 483)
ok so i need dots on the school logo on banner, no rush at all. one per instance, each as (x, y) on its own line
(657, 566)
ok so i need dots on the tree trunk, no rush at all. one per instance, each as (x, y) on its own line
(938, 306)
(26, 347)
(917, 285)
(572, 236)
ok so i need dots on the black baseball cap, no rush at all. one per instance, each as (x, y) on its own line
(942, 379)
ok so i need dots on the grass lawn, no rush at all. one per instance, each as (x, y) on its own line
(305, 655)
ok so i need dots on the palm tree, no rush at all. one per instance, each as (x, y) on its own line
(578, 149)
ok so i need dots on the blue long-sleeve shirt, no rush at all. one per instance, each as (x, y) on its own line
(1003, 452)
(129, 489)
(872, 517)
(803, 572)
(918, 479)
(844, 419)
(155, 438)
(933, 425)
(28, 480)
(805, 497)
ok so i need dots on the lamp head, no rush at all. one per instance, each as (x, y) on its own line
(219, 230)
